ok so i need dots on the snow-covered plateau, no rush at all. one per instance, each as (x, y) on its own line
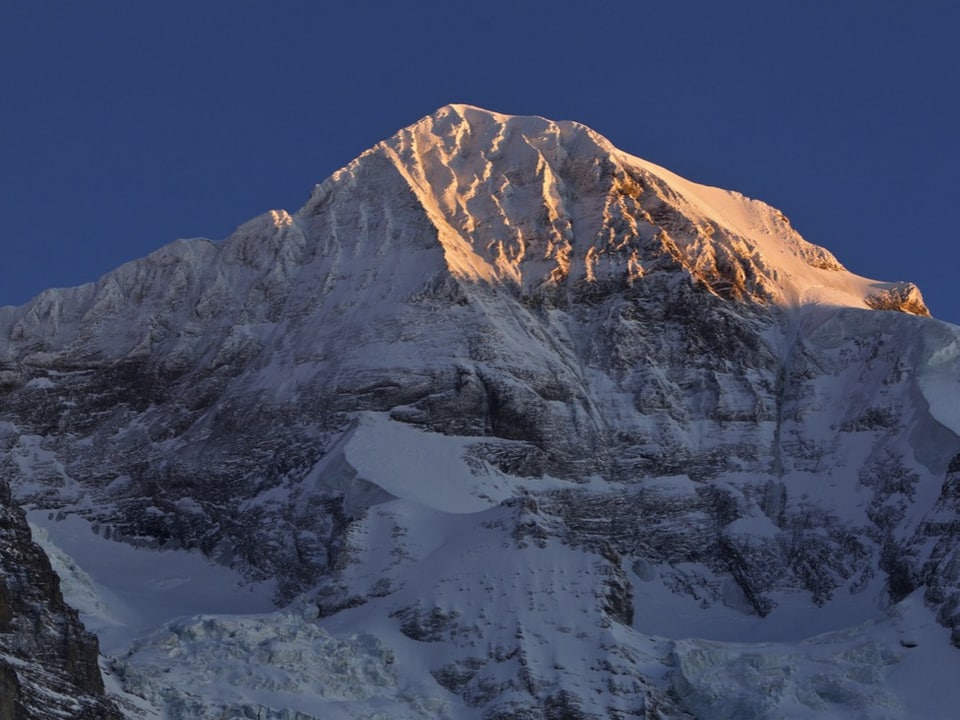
(502, 424)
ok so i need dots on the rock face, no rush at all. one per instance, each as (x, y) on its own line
(48, 662)
(497, 337)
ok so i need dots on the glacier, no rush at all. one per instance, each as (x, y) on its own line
(502, 423)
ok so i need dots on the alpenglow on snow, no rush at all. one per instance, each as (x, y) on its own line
(503, 423)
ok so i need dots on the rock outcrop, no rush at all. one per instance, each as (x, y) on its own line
(48, 661)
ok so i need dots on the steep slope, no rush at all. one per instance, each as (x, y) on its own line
(48, 662)
(525, 410)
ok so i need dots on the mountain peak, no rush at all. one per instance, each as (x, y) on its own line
(493, 357)
(550, 207)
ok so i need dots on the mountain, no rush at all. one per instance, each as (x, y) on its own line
(502, 423)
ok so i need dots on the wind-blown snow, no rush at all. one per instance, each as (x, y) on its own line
(429, 470)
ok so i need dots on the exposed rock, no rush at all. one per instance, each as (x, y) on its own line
(631, 372)
(48, 661)
(904, 297)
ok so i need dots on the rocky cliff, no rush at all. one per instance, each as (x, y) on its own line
(526, 409)
(48, 661)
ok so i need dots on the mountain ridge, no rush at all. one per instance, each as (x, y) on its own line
(519, 409)
(402, 153)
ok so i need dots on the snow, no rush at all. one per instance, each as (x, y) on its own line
(122, 590)
(205, 665)
(898, 664)
(770, 239)
(938, 373)
(40, 383)
(515, 226)
(452, 565)
(426, 468)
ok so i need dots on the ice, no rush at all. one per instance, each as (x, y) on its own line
(898, 665)
(274, 665)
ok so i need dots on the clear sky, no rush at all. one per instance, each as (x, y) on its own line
(125, 125)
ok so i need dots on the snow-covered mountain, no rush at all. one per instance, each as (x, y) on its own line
(503, 423)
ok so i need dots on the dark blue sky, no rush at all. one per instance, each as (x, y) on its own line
(124, 125)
